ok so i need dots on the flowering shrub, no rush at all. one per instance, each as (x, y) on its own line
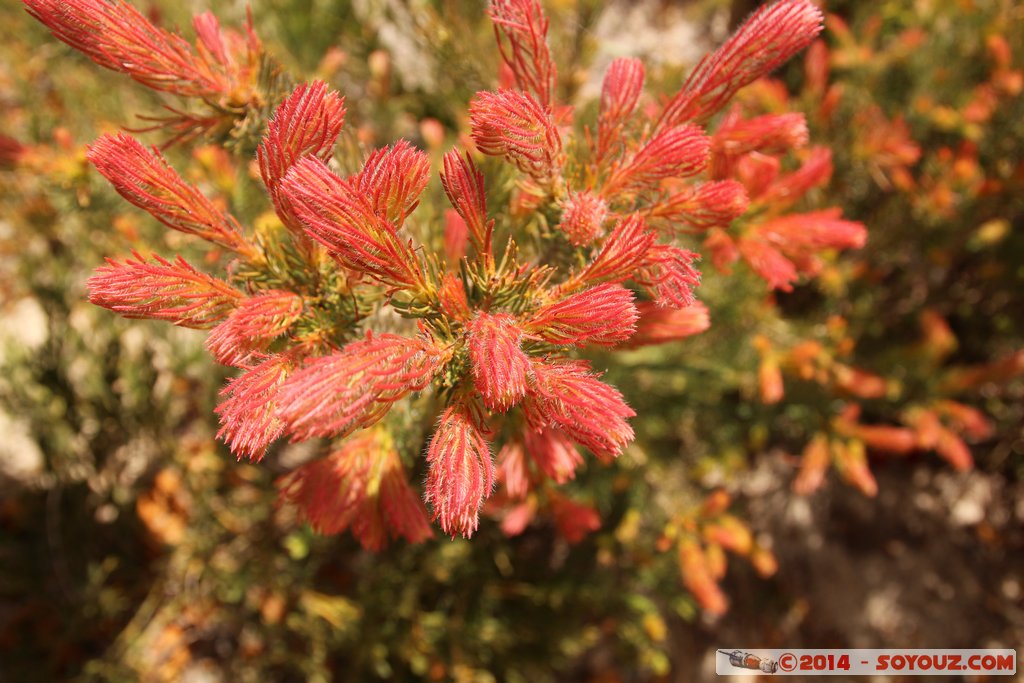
(334, 315)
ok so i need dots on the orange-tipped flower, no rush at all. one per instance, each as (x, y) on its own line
(306, 123)
(175, 292)
(251, 327)
(568, 396)
(332, 396)
(621, 254)
(248, 412)
(362, 486)
(708, 205)
(668, 274)
(461, 473)
(499, 365)
(514, 125)
(661, 324)
(813, 466)
(344, 221)
(677, 152)
(583, 216)
(393, 178)
(771, 35)
(464, 185)
(699, 578)
(603, 315)
(521, 29)
(144, 178)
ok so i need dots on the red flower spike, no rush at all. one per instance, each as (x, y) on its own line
(247, 412)
(620, 92)
(769, 134)
(621, 254)
(573, 520)
(709, 205)
(456, 236)
(583, 216)
(464, 185)
(661, 325)
(175, 292)
(553, 452)
(394, 178)
(769, 263)
(566, 395)
(116, 36)
(724, 251)
(514, 125)
(813, 232)
(145, 179)
(461, 473)
(362, 487)
(757, 172)
(253, 325)
(512, 470)
(306, 123)
(499, 365)
(521, 29)
(341, 219)
(677, 152)
(771, 35)
(788, 188)
(603, 315)
(452, 298)
(965, 419)
(332, 396)
(668, 274)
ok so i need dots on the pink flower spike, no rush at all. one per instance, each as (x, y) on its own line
(814, 172)
(603, 315)
(620, 92)
(677, 152)
(769, 263)
(813, 231)
(332, 396)
(521, 29)
(661, 325)
(499, 365)
(145, 179)
(461, 473)
(247, 412)
(769, 134)
(621, 254)
(306, 123)
(770, 37)
(464, 185)
(709, 205)
(175, 292)
(252, 326)
(667, 272)
(583, 217)
(566, 395)
(513, 125)
(553, 452)
(344, 221)
(393, 178)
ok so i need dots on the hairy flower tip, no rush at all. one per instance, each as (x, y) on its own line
(521, 28)
(499, 365)
(162, 290)
(813, 231)
(248, 421)
(306, 123)
(362, 487)
(393, 178)
(456, 236)
(583, 216)
(771, 36)
(621, 254)
(344, 221)
(769, 134)
(603, 315)
(667, 273)
(574, 520)
(567, 396)
(253, 325)
(333, 396)
(620, 92)
(788, 188)
(708, 205)
(116, 36)
(461, 473)
(464, 185)
(144, 178)
(514, 125)
(677, 152)
(661, 325)
(553, 452)
(451, 295)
